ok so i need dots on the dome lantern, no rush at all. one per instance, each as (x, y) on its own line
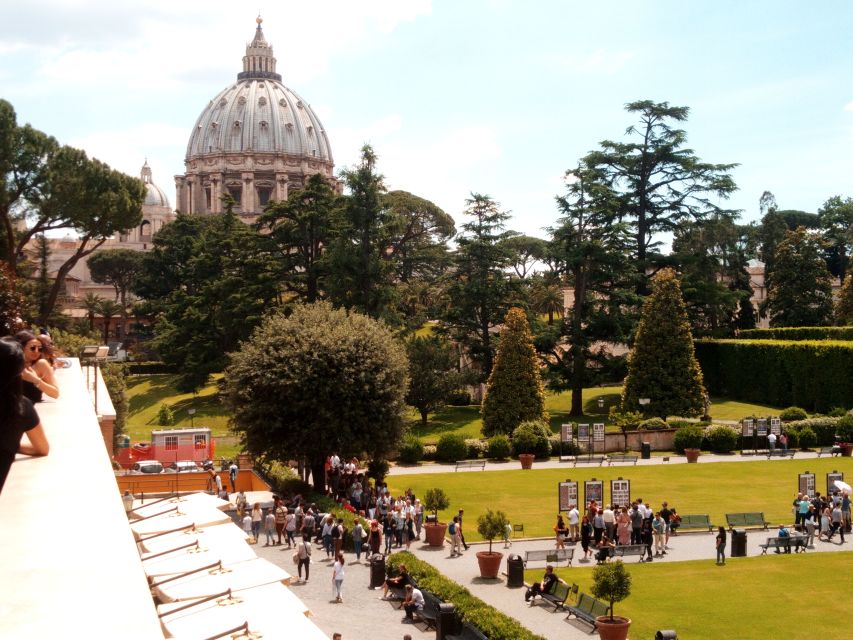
(259, 61)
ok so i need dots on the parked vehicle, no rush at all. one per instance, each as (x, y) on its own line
(181, 466)
(147, 466)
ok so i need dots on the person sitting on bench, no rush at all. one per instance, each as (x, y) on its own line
(399, 582)
(544, 586)
(413, 603)
(605, 549)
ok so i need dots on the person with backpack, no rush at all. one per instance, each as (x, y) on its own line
(455, 531)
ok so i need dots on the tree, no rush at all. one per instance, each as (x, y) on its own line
(119, 268)
(319, 381)
(432, 373)
(662, 366)
(514, 393)
(479, 292)
(844, 303)
(91, 302)
(209, 282)
(660, 183)
(107, 309)
(11, 302)
(593, 249)
(547, 297)
(611, 582)
(526, 251)
(836, 223)
(799, 290)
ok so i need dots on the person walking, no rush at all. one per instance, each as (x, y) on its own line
(623, 527)
(574, 523)
(659, 531)
(562, 532)
(232, 475)
(257, 518)
(328, 527)
(358, 535)
(269, 528)
(455, 538)
(303, 557)
(338, 573)
(586, 535)
(721, 545)
(374, 537)
(461, 530)
(280, 515)
(290, 529)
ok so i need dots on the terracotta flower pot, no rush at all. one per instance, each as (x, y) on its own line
(846, 448)
(526, 460)
(490, 563)
(692, 454)
(435, 534)
(616, 630)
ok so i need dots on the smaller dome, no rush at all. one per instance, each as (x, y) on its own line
(154, 195)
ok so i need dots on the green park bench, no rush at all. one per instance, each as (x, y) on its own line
(749, 519)
(696, 521)
(588, 609)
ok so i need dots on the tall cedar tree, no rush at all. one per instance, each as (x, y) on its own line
(836, 223)
(432, 373)
(11, 302)
(662, 366)
(120, 268)
(799, 290)
(660, 182)
(844, 304)
(480, 290)
(320, 381)
(514, 393)
(594, 251)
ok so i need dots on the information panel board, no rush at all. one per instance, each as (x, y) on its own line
(762, 427)
(593, 490)
(747, 428)
(620, 493)
(583, 432)
(566, 432)
(806, 484)
(598, 432)
(830, 481)
(776, 426)
(567, 493)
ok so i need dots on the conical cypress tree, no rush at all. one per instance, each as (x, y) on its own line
(662, 366)
(514, 392)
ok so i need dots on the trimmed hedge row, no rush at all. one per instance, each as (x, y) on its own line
(798, 333)
(150, 367)
(494, 624)
(814, 375)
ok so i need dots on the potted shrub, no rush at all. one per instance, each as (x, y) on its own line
(612, 583)
(688, 440)
(529, 440)
(844, 432)
(435, 500)
(490, 525)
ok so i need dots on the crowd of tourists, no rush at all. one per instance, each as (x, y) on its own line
(825, 516)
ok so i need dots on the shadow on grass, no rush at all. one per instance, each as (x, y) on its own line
(160, 387)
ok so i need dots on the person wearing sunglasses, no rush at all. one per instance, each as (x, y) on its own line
(38, 375)
(17, 415)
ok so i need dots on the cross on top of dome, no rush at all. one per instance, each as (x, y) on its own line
(259, 61)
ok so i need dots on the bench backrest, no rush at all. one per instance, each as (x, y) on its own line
(560, 591)
(629, 549)
(585, 603)
(701, 519)
(548, 555)
(599, 608)
(752, 517)
(470, 631)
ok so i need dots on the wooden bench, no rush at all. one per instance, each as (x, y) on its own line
(629, 550)
(785, 544)
(588, 609)
(696, 521)
(781, 453)
(550, 556)
(467, 632)
(557, 596)
(612, 459)
(429, 614)
(589, 460)
(830, 451)
(749, 519)
(470, 464)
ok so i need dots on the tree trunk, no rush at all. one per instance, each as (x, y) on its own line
(63, 271)
(318, 474)
(578, 359)
(424, 414)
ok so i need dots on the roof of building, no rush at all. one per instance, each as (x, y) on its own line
(154, 195)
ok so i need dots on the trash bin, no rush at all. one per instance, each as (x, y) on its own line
(666, 634)
(647, 450)
(377, 571)
(514, 571)
(738, 543)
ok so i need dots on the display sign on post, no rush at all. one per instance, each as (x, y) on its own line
(762, 427)
(583, 435)
(806, 484)
(620, 493)
(830, 481)
(776, 426)
(598, 432)
(567, 493)
(566, 432)
(747, 428)
(593, 490)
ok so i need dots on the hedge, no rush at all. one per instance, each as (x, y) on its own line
(814, 375)
(798, 333)
(494, 624)
(823, 429)
(144, 368)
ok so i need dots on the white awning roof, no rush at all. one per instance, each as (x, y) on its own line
(222, 534)
(237, 577)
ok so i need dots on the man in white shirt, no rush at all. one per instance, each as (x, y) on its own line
(771, 441)
(574, 522)
(414, 602)
(609, 522)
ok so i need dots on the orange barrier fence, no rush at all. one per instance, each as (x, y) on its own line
(247, 480)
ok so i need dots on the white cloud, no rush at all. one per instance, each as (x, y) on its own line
(849, 106)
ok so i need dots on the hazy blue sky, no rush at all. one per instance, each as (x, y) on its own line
(494, 96)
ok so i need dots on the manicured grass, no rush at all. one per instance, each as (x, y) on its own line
(530, 497)
(749, 598)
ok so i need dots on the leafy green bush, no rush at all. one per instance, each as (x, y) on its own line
(677, 424)
(793, 413)
(721, 438)
(793, 437)
(451, 447)
(165, 417)
(837, 412)
(844, 429)
(806, 438)
(436, 500)
(377, 469)
(814, 375)
(494, 624)
(430, 451)
(652, 424)
(459, 398)
(823, 428)
(532, 436)
(558, 447)
(499, 447)
(148, 368)
(689, 437)
(476, 448)
(412, 450)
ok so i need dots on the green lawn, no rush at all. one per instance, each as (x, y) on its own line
(749, 598)
(530, 497)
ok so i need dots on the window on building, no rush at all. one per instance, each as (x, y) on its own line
(264, 194)
(171, 443)
(145, 231)
(200, 441)
(236, 193)
(207, 198)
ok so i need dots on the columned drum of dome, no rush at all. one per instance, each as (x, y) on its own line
(255, 141)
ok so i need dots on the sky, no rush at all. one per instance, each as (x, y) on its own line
(488, 96)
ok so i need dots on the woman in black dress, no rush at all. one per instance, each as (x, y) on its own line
(37, 375)
(586, 535)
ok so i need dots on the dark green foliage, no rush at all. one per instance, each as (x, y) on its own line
(11, 302)
(798, 333)
(793, 413)
(432, 373)
(837, 412)
(436, 500)
(662, 365)
(814, 375)
(688, 438)
(844, 429)
(844, 305)
(514, 393)
(411, 451)
(459, 398)
(798, 285)
(822, 428)
(119, 268)
(377, 469)
(806, 438)
(836, 219)
(491, 524)
(652, 424)
(532, 437)
(451, 447)
(318, 381)
(146, 368)
(499, 447)
(494, 624)
(611, 582)
(165, 416)
(721, 438)
(115, 379)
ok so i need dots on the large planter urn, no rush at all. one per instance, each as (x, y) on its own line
(692, 454)
(526, 460)
(490, 563)
(615, 630)
(435, 534)
(846, 448)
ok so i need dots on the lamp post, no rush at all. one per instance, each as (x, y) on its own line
(644, 402)
(192, 417)
(601, 404)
